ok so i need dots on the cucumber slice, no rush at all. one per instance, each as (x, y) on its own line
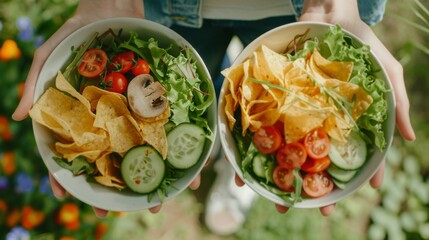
(142, 169)
(168, 126)
(349, 156)
(185, 145)
(339, 184)
(258, 165)
(340, 174)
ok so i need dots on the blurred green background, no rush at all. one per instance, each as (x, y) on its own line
(28, 210)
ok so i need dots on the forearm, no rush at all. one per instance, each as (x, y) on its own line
(98, 9)
(331, 10)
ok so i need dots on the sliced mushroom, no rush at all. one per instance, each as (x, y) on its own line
(146, 96)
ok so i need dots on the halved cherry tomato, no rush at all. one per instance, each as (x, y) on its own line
(122, 62)
(142, 67)
(317, 184)
(93, 63)
(115, 82)
(267, 139)
(280, 126)
(313, 165)
(291, 155)
(283, 178)
(317, 143)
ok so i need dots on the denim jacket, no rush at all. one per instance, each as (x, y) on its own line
(188, 12)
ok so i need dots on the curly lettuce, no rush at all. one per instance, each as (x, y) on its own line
(335, 45)
(189, 94)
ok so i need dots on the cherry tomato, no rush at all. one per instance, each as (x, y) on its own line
(93, 63)
(317, 184)
(313, 165)
(291, 155)
(283, 178)
(122, 62)
(142, 67)
(267, 139)
(317, 143)
(115, 82)
(280, 126)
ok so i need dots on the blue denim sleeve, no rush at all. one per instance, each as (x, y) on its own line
(370, 11)
(185, 13)
(188, 12)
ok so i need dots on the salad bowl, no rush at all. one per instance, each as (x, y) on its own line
(278, 41)
(78, 185)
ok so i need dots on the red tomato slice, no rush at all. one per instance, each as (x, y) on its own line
(93, 63)
(267, 139)
(317, 143)
(317, 184)
(291, 155)
(312, 165)
(280, 126)
(122, 62)
(115, 82)
(283, 178)
(142, 67)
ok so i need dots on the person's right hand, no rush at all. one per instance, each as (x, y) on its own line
(88, 11)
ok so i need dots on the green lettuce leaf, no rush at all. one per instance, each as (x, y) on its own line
(335, 45)
(77, 166)
(189, 94)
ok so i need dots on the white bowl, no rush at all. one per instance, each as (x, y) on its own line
(93, 193)
(277, 39)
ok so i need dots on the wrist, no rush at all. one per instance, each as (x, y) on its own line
(331, 11)
(99, 9)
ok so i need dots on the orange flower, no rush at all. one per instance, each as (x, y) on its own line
(100, 229)
(5, 132)
(31, 218)
(13, 218)
(72, 226)
(9, 50)
(3, 206)
(7, 162)
(69, 216)
(66, 238)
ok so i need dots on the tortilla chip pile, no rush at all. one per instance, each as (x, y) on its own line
(95, 124)
(304, 94)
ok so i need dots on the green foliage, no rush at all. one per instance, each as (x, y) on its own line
(403, 212)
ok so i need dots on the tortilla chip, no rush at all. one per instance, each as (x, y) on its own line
(62, 84)
(332, 69)
(71, 150)
(153, 133)
(234, 75)
(67, 112)
(94, 93)
(109, 107)
(229, 110)
(109, 182)
(299, 120)
(122, 134)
